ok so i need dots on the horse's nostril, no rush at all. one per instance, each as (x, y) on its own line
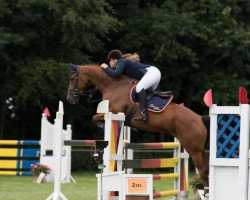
(72, 100)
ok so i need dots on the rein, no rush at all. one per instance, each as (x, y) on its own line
(128, 82)
(90, 93)
(93, 91)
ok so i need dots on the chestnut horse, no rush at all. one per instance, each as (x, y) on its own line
(176, 120)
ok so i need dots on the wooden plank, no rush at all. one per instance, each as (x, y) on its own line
(8, 164)
(8, 142)
(8, 152)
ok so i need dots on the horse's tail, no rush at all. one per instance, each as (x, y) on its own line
(206, 121)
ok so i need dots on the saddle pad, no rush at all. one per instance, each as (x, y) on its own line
(154, 103)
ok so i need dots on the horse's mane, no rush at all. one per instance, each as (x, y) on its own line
(106, 76)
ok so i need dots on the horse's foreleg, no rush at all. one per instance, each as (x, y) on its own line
(201, 162)
(98, 119)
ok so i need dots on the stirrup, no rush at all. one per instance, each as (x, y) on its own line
(141, 117)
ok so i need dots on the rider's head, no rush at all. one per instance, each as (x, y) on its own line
(113, 56)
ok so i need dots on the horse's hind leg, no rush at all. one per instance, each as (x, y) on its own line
(201, 162)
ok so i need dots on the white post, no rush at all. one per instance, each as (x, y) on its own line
(43, 135)
(108, 156)
(177, 168)
(186, 159)
(57, 195)
(128, 153)
(68, 136)
(107, 137)
(212, 150)
(119, 153)
(184, 156)
(244, 148)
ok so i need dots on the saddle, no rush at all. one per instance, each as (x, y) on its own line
(157, 101)
(165, 95)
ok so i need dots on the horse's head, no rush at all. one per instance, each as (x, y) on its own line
(78, 84)
(81, 77)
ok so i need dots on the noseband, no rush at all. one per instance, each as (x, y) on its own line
(89, 93)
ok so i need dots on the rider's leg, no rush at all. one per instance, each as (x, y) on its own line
(143, 106)
(150, 79)
(152, 90)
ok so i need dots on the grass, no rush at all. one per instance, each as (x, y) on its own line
(23, 188)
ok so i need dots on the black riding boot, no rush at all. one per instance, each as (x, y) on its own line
(143, 106)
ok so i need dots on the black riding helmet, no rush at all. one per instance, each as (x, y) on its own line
(115, 54)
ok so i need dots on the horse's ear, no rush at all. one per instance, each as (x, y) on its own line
(72, 67)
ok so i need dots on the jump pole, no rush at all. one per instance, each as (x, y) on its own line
(112, 178)
(68, 177)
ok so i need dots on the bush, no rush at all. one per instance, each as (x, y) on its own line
(196, 183)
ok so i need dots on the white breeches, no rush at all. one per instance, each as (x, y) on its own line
(150, 79)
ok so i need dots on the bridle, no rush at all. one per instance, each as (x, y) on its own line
(89, 93)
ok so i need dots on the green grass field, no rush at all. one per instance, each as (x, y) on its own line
(23, 188)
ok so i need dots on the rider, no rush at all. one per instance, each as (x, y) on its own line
(148, 76)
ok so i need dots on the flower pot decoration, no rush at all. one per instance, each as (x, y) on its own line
(40, 171)
(196, 183)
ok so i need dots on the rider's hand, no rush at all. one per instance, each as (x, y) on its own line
(104, 65)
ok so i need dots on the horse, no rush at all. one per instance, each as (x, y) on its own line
(176, 120)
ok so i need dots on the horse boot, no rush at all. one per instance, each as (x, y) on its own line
(143, 106)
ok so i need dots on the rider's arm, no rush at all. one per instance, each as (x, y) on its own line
(117, 71)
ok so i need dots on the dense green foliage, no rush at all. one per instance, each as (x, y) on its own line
(196, 44)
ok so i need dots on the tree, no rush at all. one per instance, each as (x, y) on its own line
(38, 38)
(197, 44)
